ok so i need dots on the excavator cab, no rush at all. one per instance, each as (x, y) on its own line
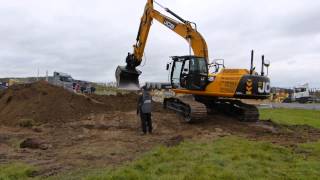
(189, 72)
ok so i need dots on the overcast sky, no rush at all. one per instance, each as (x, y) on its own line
(89, 38)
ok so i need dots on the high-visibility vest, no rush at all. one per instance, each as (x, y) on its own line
(146, 103)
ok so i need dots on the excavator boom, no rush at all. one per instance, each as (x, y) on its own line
(128, 76)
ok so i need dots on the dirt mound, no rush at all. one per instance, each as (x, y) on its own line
(38, 103)
(41, 103)
(119, 102)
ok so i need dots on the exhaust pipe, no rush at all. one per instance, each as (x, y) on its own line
(128, 76)
(251, 65)
(262, 65)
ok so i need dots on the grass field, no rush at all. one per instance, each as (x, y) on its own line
(108, 90)
(15, 171)
(225, 158)
(292, 116)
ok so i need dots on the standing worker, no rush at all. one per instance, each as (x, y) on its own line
(144, 108)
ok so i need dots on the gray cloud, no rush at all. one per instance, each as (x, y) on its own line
(88, 39)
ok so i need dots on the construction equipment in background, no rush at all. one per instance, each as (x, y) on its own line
(4, 85)
(67, 82)
(15, 81)
(300, 94)
(218, 91)
(63, 80)
(278, 95)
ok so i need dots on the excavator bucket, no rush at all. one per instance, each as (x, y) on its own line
(127, 79)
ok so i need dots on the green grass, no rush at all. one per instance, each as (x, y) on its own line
(225, 158)
(108, 90)
(312, 150)
(15, 171)
(292, 116)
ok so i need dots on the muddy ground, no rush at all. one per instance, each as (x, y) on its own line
(111, 136)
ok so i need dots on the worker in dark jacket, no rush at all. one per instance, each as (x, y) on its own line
(144, 109)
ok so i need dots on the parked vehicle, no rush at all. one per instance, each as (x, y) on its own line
(301, 94)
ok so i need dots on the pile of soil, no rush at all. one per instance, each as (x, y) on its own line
(119, 102)
(45, 103)
(42, 103)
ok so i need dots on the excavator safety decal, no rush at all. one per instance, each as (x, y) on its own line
(169, 24)
(249, 87)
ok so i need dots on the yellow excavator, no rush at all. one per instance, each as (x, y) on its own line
(220, 90)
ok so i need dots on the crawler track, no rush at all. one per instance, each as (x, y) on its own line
(195, 109)
(244, 112)
(191, 110)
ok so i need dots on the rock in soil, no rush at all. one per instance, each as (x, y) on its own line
(174, 141)
(33, 143)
